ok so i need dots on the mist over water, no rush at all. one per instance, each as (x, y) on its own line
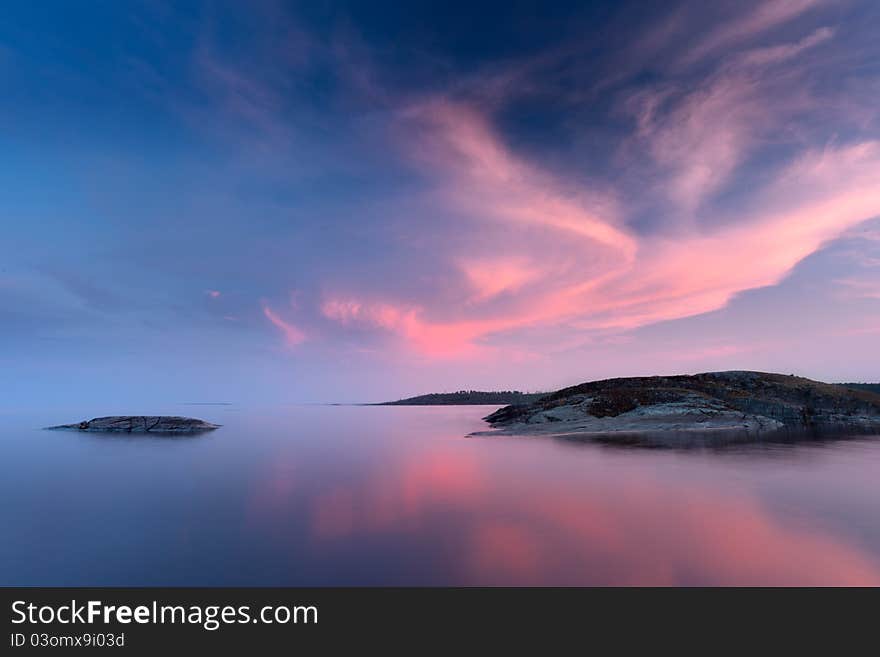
(321, 495)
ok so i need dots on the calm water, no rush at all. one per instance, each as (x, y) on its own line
(363, 495)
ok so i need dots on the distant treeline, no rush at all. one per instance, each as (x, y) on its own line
(872, 387)
(469, 397)
(504, 397)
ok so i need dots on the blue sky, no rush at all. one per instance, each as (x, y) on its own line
(278, 202)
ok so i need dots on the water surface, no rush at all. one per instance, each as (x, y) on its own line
(318, 495)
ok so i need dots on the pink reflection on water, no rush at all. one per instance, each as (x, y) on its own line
(661, 536)
(507, 550)
(420, 504)
(404, 496)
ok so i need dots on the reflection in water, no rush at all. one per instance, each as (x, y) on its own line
(641, 531)
(400, 496)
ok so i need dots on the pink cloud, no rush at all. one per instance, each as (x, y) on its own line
(780, 53)
(766, 15)
(292, 334)
(381, 315)
(214, 294)
(484, 178)
(490, 277)
(625, 281)
(564, 256)
(441, 340)
(814, 200)
(699, 138)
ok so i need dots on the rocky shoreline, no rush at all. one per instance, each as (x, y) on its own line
(702, 409)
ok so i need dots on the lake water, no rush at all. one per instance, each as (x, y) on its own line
(320, 495)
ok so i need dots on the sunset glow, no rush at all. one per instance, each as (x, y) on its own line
(517, 206)
(342, 295)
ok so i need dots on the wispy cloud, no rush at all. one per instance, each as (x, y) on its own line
(535, 195)
(291, 333)
(630, 280)
(535, 250)
(699, 134)
(738, 30)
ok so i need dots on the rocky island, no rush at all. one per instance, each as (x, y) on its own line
(157, 424)
(700, 409)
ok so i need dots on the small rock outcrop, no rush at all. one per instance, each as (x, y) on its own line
(712, 404)
(158, 424)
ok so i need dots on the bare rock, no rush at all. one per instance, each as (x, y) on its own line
(158, 424)
(711, 404)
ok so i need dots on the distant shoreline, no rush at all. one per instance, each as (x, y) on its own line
(507, 398)
(468, 398)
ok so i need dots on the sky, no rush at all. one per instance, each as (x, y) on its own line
(279, 202)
